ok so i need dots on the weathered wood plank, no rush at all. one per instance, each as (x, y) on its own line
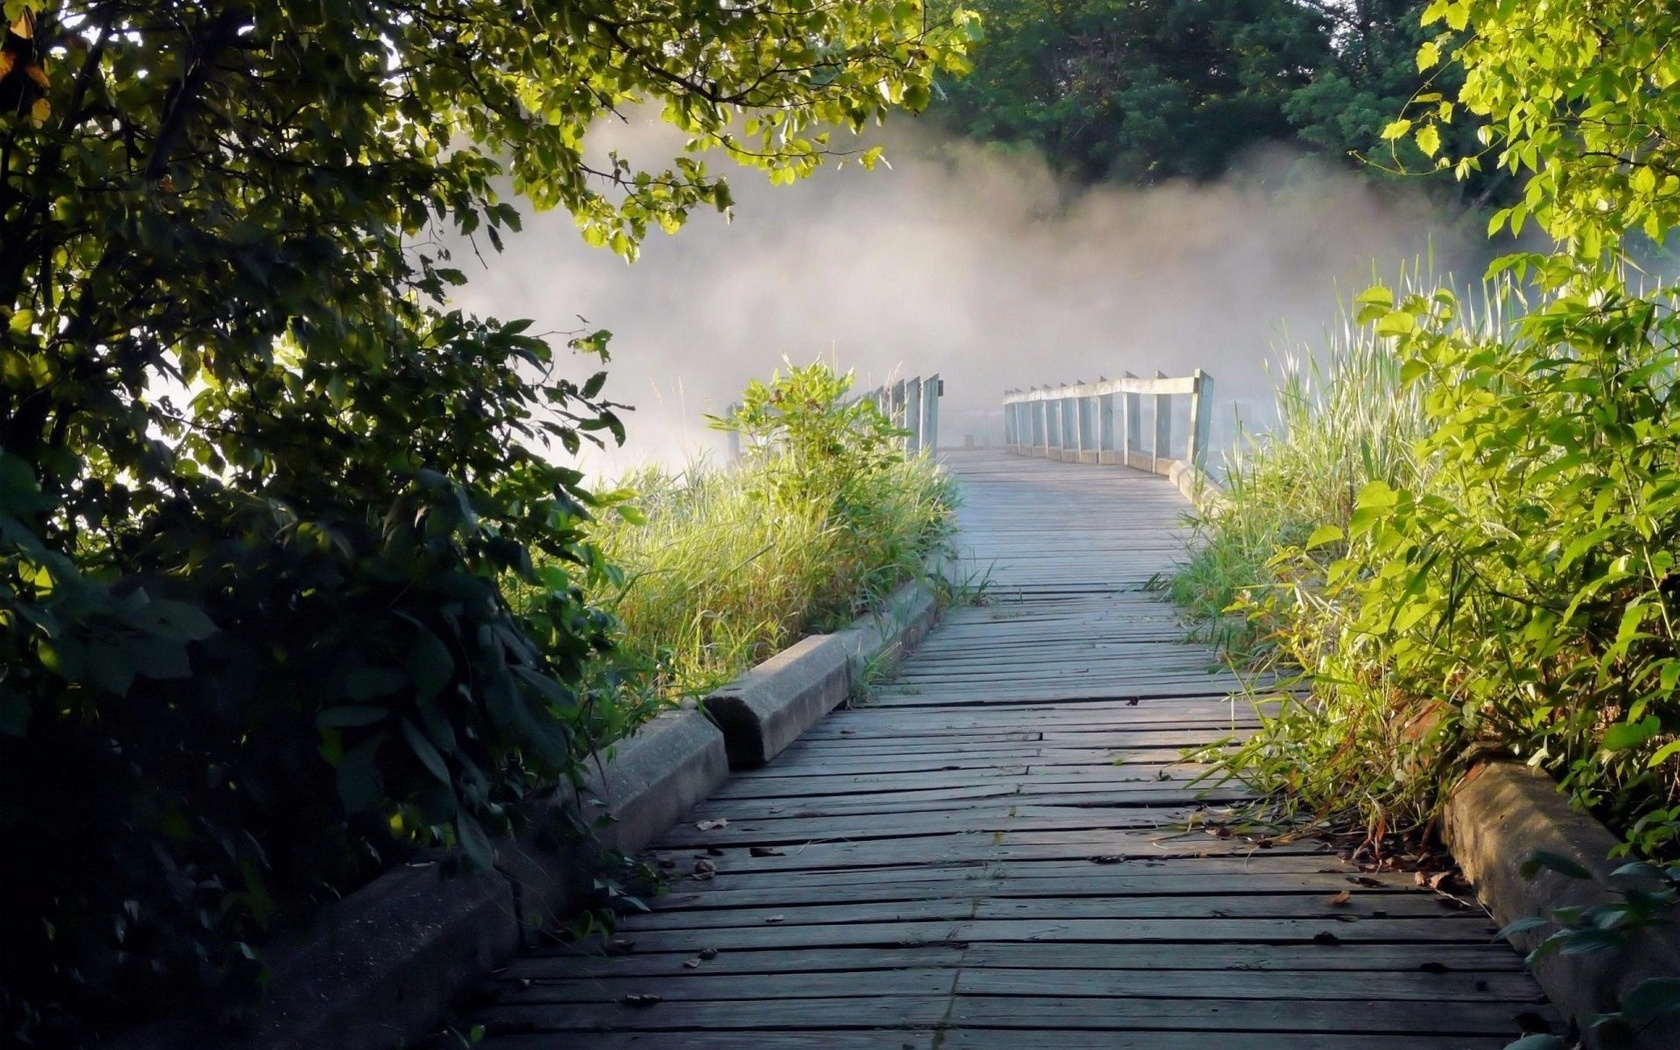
(1181, 959)
(961, 862)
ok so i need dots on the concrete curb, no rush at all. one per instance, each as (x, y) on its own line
(385, 963)
(1495, 820)
(1196, 486)
(767, 708)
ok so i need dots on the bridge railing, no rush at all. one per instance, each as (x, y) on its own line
(912, 404)
(1102, 422)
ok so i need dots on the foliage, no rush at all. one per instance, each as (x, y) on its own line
(1607, 927)
(1142, 92)
(1514, 584)
(1137, 92)
(1523, 589)
(261, 492)
(1583, 97)
(722, 567)
(1343, 418)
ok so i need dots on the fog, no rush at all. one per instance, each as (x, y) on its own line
(972, 263)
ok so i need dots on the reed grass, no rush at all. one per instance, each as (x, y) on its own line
(717, 575)
(1343, 419)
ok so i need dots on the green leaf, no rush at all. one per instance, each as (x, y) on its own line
(1650, 999)
(1523, 926)
(1553, 862)
(430, 664)
(425, 752)
(351, 715)
(1624, 735)
(365, 683)
(180, 620)
(474, 841)
(1325, 534)
(360, 785)
(1429, 140)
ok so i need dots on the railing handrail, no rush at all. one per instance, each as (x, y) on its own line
(912, 403)
(1076, 422)
(1164, 386)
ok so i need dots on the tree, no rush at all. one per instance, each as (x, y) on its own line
(1148, 90)
(1584, 98)
(1373, 75)
(261, 490)
(1139, 91)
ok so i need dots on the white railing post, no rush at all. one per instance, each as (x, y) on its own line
(1134, 424)
(1163, 427)
(1201, 417)
(1105, 426)
(913, 415)
(1076, 423)
(933, 388)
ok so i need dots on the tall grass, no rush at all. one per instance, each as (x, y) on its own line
(718, 575)
(1340, 736)
(1344, 419)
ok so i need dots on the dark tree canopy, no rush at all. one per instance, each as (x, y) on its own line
(262, 490)
(1142, 91)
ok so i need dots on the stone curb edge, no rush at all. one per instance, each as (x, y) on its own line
(768, 707)
(387, 961)
(1497, 817)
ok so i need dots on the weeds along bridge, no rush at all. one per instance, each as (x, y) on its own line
(1002, 848)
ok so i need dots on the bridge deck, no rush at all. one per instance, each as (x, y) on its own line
(994, 852)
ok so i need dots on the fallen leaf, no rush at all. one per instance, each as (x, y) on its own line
(1420, 878)
(1341, 898)
(1106, 858)
(1133, 702)
(1434, 967)
(708, 953)
(1436, 880)
(620, 946)
(775, 918)
(702, 864)
(1326, 937)
(847, 732)
(1365, 880)
(667, 863)
(692, 964)
(713, 851)
(640, 999)
(766, 851)
(712, 825)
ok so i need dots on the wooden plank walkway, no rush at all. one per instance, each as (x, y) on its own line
(995, 852)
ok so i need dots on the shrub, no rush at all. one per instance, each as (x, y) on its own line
(1514, 585)
(722, 567)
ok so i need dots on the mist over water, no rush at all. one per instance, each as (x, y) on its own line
(971, 263)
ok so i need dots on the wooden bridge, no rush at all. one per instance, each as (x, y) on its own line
(1003, 849)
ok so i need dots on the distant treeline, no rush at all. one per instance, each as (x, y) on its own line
(1145, 91)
